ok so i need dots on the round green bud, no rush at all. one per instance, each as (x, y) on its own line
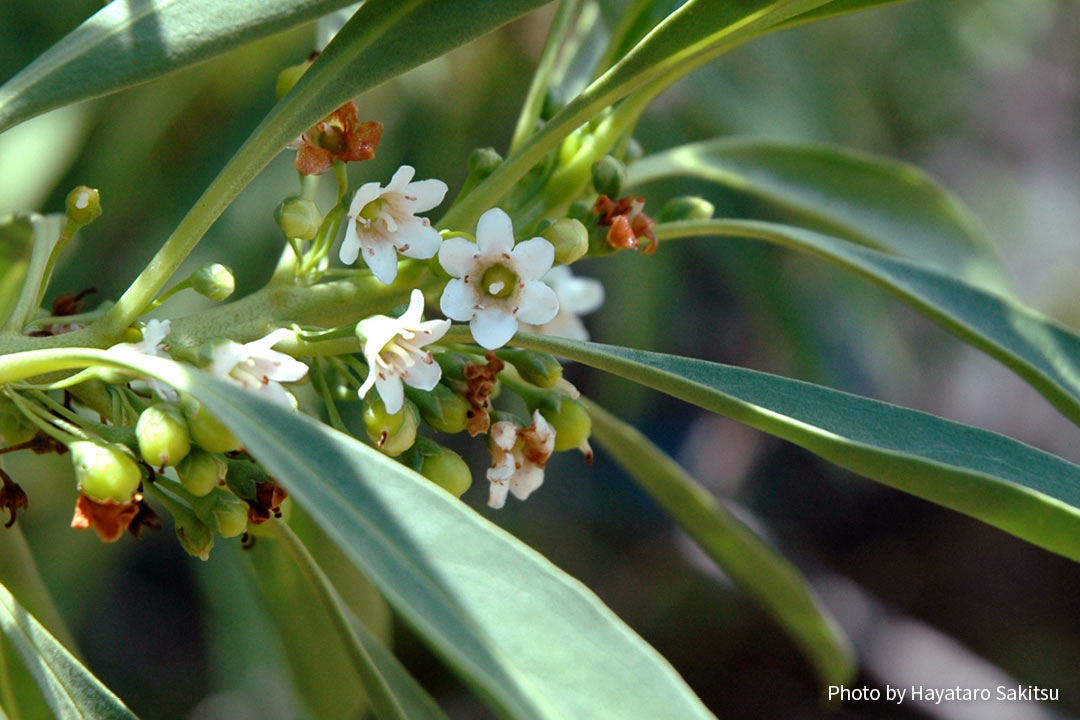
(213, 280)
(608, 176)
(686, 207)
(298, 218)
(441, 408)
(446, 469)
(104, 472)
(163, 436)
(201, 471)
(223, 512)
(206, 430)
(392, 434)
(288, 77)
(83, 206)
(634, 151)
(571, 422)
(483, 161)
(14, 428)
(538, 368)
(570, 238)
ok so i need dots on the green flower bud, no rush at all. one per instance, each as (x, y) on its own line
(582, 210)
(244, 477)
(538, 368)
(223, 512)
(207, 431)
(571, 421)
(634, 151)
(194, 536)
(213, 280)
(201, 471)
(104, 472)
(392, 434)
(570, 238)
(686, 207)
(608, 177)
(83, 206)
(288, 77)
(441, 408)
(445, 468)
(482, 162)
(298, 218)
(163, 436)
(14, 428)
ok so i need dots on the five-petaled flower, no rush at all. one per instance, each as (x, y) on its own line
(254, 366)
(518, 456)
(337, 137)
(392, 349)
(383, 223)
(577, 296)
(496, 283)
(153, 344)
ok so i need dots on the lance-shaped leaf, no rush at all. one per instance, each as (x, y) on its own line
(531, 640)
(68, 687)
(1003, 482)
(1038, 349)
(767, 577)
(127, 43)
(837, 7)
(884, 204)
(16, 243)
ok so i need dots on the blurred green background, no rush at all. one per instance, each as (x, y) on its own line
(982, 93)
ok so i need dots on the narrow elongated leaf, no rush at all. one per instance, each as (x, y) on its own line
(127, 43)
(837, 7)
(45, 230)
(767, 577)
(1005, 483)
(16, 243)
(884, 204)
(1036, 347)
(69, 688)
(534, 642)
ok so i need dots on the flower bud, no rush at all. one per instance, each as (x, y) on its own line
(82, 207)
(570, 238)
(608, 176)
(163, 436)
(571, 421)
(441, 408)
(298, 218)
(482, 162)
(213, 280)
(201, 471)
(222, 512)
(445, 468)
(207, 431)
(196, 539)
(538, 368)
(288, 77)
(104, 472)
(634, 151)
(14, 428)
(686, 207)
(392, 434)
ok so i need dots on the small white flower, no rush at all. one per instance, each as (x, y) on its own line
(152, 343)
(383, 223)
(577, 296)
(254, 366)
(518, 456)
(496, 283)
(393, 354)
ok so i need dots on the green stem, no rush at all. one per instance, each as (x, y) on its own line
(318, 381)
(32, 413)
(383, 702)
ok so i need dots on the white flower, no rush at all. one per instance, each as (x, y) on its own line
(497, 283)
(577, 296)
(393, 354)
(152, 343)
(254, 366)
(518, 456)
(383, 223)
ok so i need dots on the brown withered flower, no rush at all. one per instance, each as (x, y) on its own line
(482, 379)
(108, 517)
(268, 498)
(627, 222)
(145, 519)
(338, 136)
(12, 497)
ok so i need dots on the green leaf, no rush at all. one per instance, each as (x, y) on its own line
(45, 231)
(1005, 483)
(382, 40)
(884, 204)
(751, 564)
(69, 688)
(16, 244)
(534, 642)
(833, 9)
(127, 43)
(1034, 346)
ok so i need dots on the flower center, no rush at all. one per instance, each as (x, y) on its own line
(498, 281)
(371, 211)
(330, 137)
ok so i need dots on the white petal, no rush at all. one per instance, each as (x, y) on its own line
(391, 392)
(285, 369)
(537, 303)
(154, 332)
(225, 357)
(497, 494)
(566, 325)
(274, 391)
(369, 383)
(424, 375)
(493, 327)
(415, 312)
(427, 194)
(366, 193)
(377, 331)
(350, 246)
(430, 331)
(458, 300)
(533, 258)
(526, 480)
(504, 434)
(418, 240)
(401, 178)
(382, 258)
(456, 256)
(495, 233)
(578, 295)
